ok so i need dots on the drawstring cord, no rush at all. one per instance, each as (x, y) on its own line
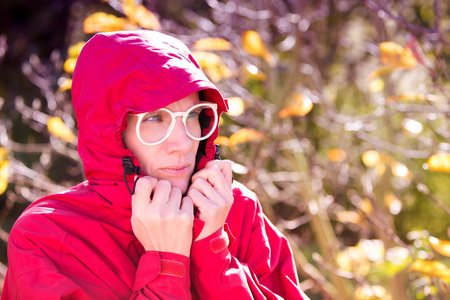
(128, 169)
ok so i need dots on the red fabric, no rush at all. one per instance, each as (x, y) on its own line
(80, 245)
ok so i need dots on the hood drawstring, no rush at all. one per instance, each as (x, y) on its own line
(128, 169)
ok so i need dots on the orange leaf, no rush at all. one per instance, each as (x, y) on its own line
(57, 128)
(440, 246)
(394, 55)
(211, 44)
(439, 162)
(3, 176)
(298, 107)
(75, 50)
(336, 155)
(415, 97)
(69, 65)
(246, 135)
(253, 45)
(430, 268)
(139, 14)
(103, 22)
(348, 217)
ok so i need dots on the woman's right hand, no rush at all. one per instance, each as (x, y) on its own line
(161, 219)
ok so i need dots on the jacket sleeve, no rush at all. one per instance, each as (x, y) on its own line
(264, 270)
(33, 273)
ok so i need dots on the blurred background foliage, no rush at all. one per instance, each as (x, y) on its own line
(339, 121)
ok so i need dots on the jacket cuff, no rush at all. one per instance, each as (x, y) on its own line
(155, 264)
(213, 244)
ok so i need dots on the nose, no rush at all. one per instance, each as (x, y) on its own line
(178, 140)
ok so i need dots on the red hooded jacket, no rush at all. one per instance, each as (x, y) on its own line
(79, 244)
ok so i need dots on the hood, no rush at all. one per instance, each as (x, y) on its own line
(119, 73)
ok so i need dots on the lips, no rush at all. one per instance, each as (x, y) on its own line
(177, 170)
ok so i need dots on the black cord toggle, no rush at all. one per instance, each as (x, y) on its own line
(128, 169)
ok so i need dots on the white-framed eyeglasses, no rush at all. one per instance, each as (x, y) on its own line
(200, 121)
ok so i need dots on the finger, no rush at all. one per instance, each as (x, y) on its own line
(205, 188)
(161, 192)
(187, 205)
(198, 199)
(224, 167)
(144, 188)
(174, 199)
(215, 178)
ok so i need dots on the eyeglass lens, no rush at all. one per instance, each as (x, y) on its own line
(199, 123)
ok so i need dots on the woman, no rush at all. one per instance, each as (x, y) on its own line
(159, 216)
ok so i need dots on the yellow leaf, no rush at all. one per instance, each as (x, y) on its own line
(348, 217)
(139, 14)
(400, 170)
(381, 71)
(440, 246)
(376, 85)
(57, 128)
(371, 292)
(236, 106)
(253, 45)
(430, 268)
(246, 135)
(252, 71)
(65, 84)
(75, 50)
(211, 44)
(212, 65)
(336, 155)
(222, 141)
(439, 162)
(3, 176)
(299, 107)
(365, 206)
(415, 97)
(370, 158)
(103, 22)
(394, 55)
(69, 65)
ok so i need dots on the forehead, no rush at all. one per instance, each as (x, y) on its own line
(184, 103)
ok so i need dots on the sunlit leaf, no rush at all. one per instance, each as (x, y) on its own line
(348, 216)
(439, 162)
(236, 106)
(412, 126)
(139, 14)
(69, 65)
(430, 268)
(394, 55)
(212, 65)
(65, 84)
(366, 206)
(254, 45)
(298, 107)
(415, 97)
(252, 71)
(370, 158)
(211, 44)
(440, 246)
(381, 71)
(222, 141)
(376, 85)
(393, 203)
(3, 176)
(400, 170)
(336, 155)
(75, 49)
(57, 128)
(245, 135)
(3, 169)
(103, 22)
(371, 292)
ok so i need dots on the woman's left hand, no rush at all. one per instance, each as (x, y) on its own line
(211, 193)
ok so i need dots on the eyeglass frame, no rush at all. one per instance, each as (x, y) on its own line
(174, 115)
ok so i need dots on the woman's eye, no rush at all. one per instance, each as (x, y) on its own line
(193, 114)
(153, 118)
